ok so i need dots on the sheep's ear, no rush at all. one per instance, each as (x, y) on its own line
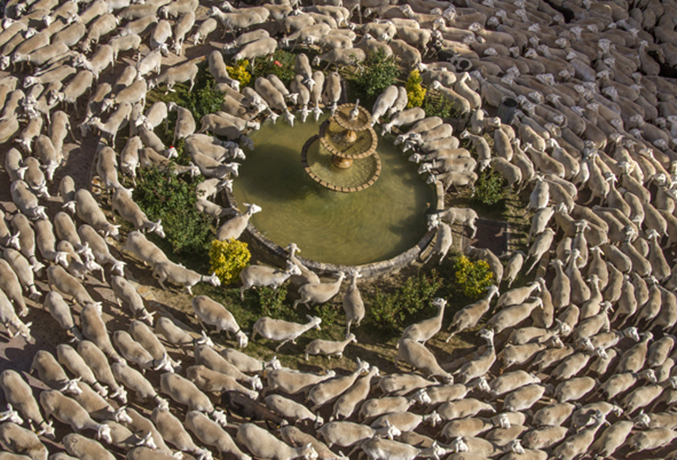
(310, 318)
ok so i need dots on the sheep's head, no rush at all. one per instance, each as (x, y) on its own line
(46, 429)
(11, 415)
(459, 445)
(242, 339)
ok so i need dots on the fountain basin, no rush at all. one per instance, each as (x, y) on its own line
(380, 228)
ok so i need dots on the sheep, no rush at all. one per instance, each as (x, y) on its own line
(468, 407)
(443, 241)
(22, 441)
(211, 434)
(650, 439)
(265, 446)
(259, 48)
(553, 415)
(574, 389)
(329, 348)
(180, 73)
(425, 330)
(21, 225)
(235, 21)
(406, 421)
(68, 285)
(378, 448)
(9, 283)
(292, 410)
(206, 27)
(19, 395)
(376, 407)
(512, 316)
(175, 9)
(130, 211)
(237, 225)
(184, 392)
(246, 38)
(97, 362)
(311, 294)
(213, 313)
(132, 351)
(259, 275)
(14, 164)
(580, 442)
(173, 432)
(178, 334)
(67, 356)
(470, 315)
(95, 244)
(23, 271)
(539, 247)
(94, 329)
(463, 216)
(216, 382)
(181, 276)
(383, 103)
(26, 201)
(417, 356)
(404, 118)
(279, 330)
(52, 374)
(71, 413)
(294, 382)
(148, 340)
(136, 382)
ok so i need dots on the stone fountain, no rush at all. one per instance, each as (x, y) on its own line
(342, 157)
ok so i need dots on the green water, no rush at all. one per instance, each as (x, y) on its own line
(339, 228)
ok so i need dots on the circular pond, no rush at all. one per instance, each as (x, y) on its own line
(357, 228)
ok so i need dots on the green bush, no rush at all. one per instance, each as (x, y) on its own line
(272, 303)
(378, 72)
(280, 64)
(415, 92)
(228, 258)
(163, 195)
(391, 312)
(205, 100)
(472, 278)
(436, 105)
(489, 189)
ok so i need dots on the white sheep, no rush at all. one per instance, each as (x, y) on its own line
(284, 331)
(213, 313)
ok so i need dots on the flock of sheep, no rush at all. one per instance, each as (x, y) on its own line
(593, 114)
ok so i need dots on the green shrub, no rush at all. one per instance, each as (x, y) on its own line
(378, 72)
(228, 258)
(436, 105)
(166, 196)
(272, 303)
(472, 278)
(280, 64)
(391, 312)
(240, 73)
(415, 92)
(489, 189)
(205, 100)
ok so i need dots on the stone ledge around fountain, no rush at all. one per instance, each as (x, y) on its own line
(273, 254)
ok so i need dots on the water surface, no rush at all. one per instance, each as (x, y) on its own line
(332, 227)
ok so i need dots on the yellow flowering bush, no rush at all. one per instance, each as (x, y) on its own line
(472, 278)
(228, 258)
(415, 92)
(239, 72)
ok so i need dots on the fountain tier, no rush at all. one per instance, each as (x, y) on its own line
(343, 156)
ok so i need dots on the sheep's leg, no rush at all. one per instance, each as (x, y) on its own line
(279, 346)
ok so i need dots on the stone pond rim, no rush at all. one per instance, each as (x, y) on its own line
(274, 254)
